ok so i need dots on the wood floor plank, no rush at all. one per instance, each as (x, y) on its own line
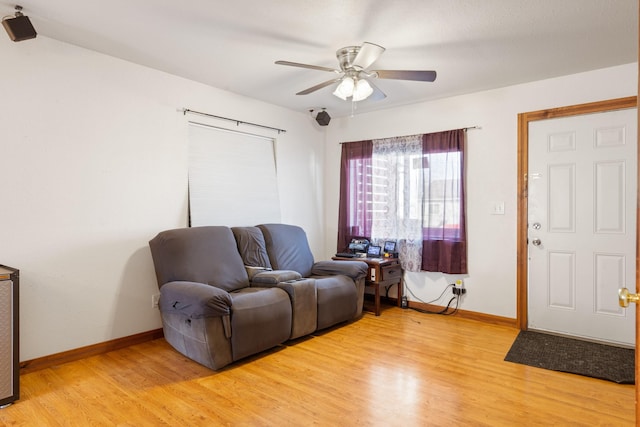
(402, 368)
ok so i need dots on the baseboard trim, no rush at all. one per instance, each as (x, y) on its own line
(471, 315)
(45, 362)
(93, 350)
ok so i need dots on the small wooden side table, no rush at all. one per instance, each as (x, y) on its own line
(383, 272)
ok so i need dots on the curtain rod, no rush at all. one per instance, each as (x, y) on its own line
(464, 129)
(237, 122)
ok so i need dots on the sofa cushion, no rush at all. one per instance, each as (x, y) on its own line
(251, 246)
(199, 254)
(260, 319)
(337, 300)
(288, 248)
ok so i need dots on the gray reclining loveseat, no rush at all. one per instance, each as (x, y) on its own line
(225, 295)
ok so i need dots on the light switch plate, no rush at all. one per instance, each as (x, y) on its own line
(497, 208)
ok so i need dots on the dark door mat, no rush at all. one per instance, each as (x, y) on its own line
(574, 356)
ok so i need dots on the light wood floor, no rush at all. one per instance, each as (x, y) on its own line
(403, 368)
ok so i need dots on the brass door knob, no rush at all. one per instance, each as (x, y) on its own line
(624, 297)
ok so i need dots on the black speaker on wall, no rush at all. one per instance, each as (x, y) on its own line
(323, 118)
(19, 28)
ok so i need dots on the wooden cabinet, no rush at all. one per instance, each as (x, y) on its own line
(9, 353)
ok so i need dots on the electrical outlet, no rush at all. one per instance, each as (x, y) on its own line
(155, 299)
(404, 302)
(458, 288)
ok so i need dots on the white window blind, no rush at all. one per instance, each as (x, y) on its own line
(232, 178)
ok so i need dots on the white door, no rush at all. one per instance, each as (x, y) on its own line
(582, 224)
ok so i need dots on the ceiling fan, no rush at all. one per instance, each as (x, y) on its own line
(354, 74)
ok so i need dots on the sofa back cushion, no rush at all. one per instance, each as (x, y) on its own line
(199, 254)
(288, 248)
(251, 246)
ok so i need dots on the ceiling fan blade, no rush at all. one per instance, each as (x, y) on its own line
(312, 67)
(319, 86)
(421, 76)
(377, 94)
(367, 55)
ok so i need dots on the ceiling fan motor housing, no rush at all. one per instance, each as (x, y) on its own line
(346, 55)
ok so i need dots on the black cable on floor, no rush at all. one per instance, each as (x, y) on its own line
(445, 309)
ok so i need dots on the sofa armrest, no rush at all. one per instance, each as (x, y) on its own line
(194, 300)
(273, 277)
(252, 271)
(352, 269)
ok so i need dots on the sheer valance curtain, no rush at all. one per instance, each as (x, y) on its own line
(409, 189)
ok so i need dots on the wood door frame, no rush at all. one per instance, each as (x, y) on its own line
(524, 119)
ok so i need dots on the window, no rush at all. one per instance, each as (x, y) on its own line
(442, 206)
(356, 193)
(408, 189)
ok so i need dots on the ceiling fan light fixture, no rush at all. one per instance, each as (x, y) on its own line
(362, 90)
(357, 90)
(345, 88)
(353, 84)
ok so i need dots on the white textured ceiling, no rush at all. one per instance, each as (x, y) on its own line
(472, 44)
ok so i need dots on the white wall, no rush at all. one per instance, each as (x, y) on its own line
(94, 164)
(94, 159)
(491, 171)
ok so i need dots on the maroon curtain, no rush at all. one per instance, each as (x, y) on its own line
(354, 219)
(444, 243)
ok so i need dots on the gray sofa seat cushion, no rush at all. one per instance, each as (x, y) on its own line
(288, 248)
(199, 254)
(337, 300)
(260, 319)
(251, 246)
(353, 269)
